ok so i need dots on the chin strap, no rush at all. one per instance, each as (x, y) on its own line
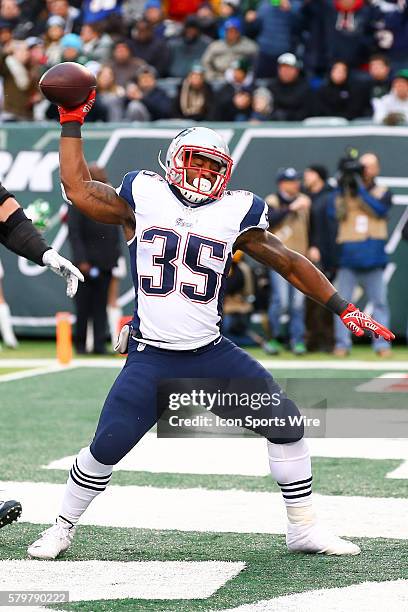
(162, 166)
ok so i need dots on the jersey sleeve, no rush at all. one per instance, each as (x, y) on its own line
(256, 217)
(125, 189)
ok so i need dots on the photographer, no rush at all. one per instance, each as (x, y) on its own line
(361, 207)
(288, 215)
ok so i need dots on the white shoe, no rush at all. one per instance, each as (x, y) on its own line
(312, 538)
(53, 541)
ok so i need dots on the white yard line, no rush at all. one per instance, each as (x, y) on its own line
(239, 456)
(214, 511)
(391, 596)
(401, 472)
(96, 580)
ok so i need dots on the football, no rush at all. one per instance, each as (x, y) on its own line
(67, 84)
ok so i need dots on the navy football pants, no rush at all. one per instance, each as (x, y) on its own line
(130, 408)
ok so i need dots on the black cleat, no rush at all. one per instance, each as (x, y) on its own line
(9, 511)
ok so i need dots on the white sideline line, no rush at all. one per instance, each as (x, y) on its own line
(213, 510)
(95, 580)
(118, 362)
(365, 597)
(33, 372)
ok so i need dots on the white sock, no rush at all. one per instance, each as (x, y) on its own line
(86, 480)
(114, 314)
(290, 466)
(6, 328)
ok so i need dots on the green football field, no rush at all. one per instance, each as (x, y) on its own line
(197, 524)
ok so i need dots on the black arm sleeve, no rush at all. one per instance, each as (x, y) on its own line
(19, 235)
(4, 194)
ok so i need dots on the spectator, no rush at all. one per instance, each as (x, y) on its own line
(53, 36)
(38, 58)
(241, 107)
(208, 19)
(187, 48)
(97, 12)
(19, 82)
(290, 90)
(227, 9)
(220, 54)
(71, 46)
(123, 63)
(351, 35)
(153, 14)
(391, 31)
(238, 76)
(180, 10)
(392, 109)
(10, 12)
(238, 303)
(261, 105)
(379, 70)
(147, 92)
(195, 96)
(110, 93)
(289, 221)
(95, 250)
(361, 208)
(314, 27)
(70, 14)
(276, 24)
(154, 51)
(96, 45)
(135, 109)
(322, 252)
(6, 33)
(340, 96)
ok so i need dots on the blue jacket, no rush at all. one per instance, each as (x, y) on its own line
(276, 28)
(370, 253)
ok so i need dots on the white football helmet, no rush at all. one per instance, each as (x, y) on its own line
(206, 143)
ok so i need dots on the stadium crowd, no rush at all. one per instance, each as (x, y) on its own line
(221, 60)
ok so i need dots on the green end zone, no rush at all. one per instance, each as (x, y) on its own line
(53, 415)
(270, 570)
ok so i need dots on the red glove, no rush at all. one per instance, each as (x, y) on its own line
(357, 321)
(80, 112)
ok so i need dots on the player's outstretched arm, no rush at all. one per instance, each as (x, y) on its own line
(302, 274)
(18, 234)
(96, 200)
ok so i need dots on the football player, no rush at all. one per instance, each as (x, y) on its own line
(18, 234)
(181, 231)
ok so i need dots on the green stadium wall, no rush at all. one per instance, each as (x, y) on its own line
(29, 169)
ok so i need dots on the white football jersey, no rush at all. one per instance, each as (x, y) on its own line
(180, 258)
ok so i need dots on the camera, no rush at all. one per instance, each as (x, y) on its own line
(350, 171)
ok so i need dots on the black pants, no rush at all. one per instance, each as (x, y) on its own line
(91, 301)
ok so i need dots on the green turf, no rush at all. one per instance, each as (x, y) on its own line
(270, 570)
(63, 409)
